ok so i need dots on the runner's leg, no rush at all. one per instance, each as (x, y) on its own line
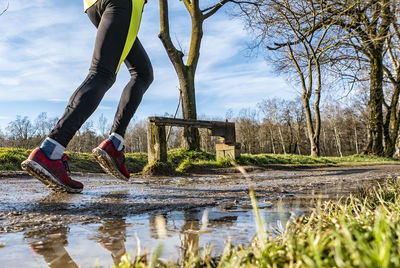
(141, 71)
(112, 39)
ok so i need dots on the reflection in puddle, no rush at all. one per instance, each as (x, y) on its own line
(111, 235)
(51, 245)
(82, 245)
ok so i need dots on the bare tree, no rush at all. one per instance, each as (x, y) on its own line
(332, 118)
(391, 66)
(136, 138)
(85, 139)
(300, 34)
(286, 118)
(186, 70)
(20, 132)
(247, 129)
(43, 125)
(368, 24)
(300, 119)
(269, 108)
(3, 139)
(102, 126)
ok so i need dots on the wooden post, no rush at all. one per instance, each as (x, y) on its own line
(227, 151)
(156, 142)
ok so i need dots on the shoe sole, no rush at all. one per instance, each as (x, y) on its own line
(39, 172)
(108, 164)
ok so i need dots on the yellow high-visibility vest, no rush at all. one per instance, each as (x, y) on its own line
(137, 9)
(88, 3)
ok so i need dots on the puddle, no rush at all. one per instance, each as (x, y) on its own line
(78, 245)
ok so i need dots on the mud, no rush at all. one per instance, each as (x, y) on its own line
(26, 205)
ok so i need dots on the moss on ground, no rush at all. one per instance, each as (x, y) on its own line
(157, 168)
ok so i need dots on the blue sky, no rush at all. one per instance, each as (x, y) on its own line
(46, 48)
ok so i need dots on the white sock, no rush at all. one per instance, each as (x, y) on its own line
(52, 149)
(117, 140)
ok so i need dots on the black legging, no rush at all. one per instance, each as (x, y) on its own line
(114, 21)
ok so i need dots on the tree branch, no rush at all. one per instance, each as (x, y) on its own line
(187, 5)
(4, 11)
(175, 55)
(213, 9)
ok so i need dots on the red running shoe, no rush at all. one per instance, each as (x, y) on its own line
(112, 161)
(53, 173)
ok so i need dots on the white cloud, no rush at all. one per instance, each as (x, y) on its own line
(9, 81)
(43, 50)
(56, 100)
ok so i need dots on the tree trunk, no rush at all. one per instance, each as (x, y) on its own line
(298, 137)
(272, 141)
(298, 146)
(191, 136)
(391, 143)
(315, 147)
(356, 138)
(314, 140)
(338, 144)
(291, 140)
(392, 123)
(375, 143)
(324, 149)
(282, 141)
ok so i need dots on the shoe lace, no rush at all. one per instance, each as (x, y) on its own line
(64, 160)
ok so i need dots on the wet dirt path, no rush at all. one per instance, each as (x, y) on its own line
(39, 228)
(25, 204)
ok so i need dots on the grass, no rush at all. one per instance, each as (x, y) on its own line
(11, 158)
(188, 161)
(360, 231)
(303, 160)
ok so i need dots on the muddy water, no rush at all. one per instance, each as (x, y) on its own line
(41, 229)
(82, 244)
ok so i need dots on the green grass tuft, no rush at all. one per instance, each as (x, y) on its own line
(157, 168)
(177, 156)
(11, 158)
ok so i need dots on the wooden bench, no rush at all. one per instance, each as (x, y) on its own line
(157, 143)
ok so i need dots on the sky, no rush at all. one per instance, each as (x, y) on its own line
(46, 48)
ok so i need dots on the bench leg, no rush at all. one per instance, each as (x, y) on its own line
(227, 151)
(156, 143)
